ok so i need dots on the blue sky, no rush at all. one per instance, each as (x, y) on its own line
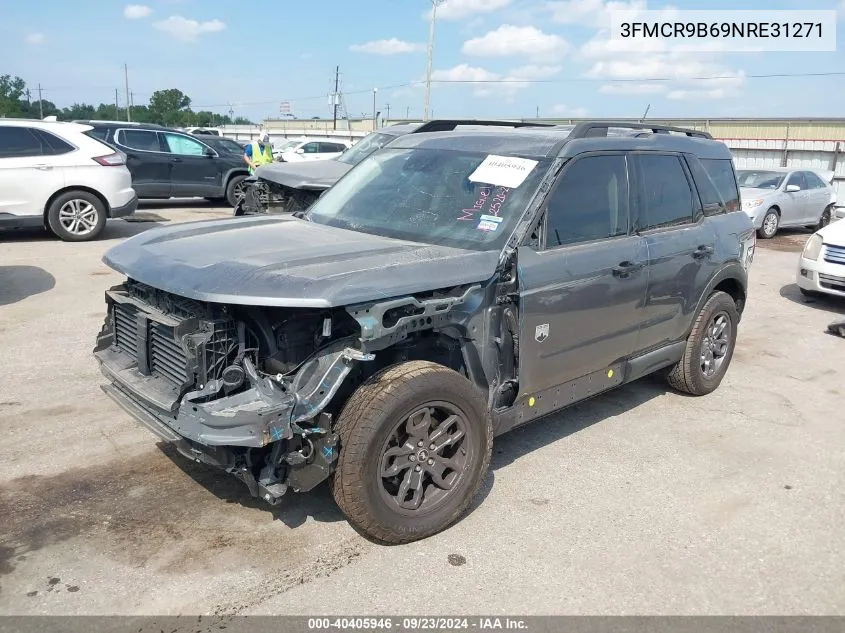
(256, 54)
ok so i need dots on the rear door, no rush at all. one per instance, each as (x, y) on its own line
(311, 151)
(30, 172)
(147, 161)
(819, 197)
(680, 243)
(582, 290)
(196, 169)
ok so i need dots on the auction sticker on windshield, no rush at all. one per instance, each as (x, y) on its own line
(503, 171)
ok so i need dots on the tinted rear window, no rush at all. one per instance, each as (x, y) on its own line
(18, 142)
(55, 145)
(721, 173)
(665, 195)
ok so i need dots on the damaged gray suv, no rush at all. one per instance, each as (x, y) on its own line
(450, 287)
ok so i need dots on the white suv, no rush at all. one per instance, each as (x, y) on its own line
(53, 175)
(310, 149)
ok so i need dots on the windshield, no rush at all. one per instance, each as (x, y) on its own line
(426, 195)
(364, 148)
(759, 179)
(285, 146)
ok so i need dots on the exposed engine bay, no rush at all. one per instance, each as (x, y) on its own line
(265, 196)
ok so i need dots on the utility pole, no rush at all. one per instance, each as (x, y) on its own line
(126, 78)
(408, 112)
(28, 98)
(434, 5)
(132, 99)
(645, 114)
(388, 111)
(116, 106)
(538, 112)
(40, 102)
(334, 96)
(375, 115)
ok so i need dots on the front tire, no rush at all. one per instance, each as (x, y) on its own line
(709, 348)
(825, 219)
(76, 216)
(235, 189)
(415, 445)
(771, 222)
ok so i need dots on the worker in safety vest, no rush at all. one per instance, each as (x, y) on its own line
(258, 152)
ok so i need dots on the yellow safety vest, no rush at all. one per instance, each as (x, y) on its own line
(259, 157)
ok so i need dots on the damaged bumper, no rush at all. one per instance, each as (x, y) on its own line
(270, 431)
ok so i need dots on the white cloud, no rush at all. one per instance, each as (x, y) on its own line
(594, 13)
(575, 113)
(460, 9)
(387, 47)
(632, 89)
(465, 73)
(509, 41)
(34, 38)
(188, 30)
(136, 11)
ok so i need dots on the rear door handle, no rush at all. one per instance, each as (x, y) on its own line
(624, 269)
(175, 160)
(702, 251)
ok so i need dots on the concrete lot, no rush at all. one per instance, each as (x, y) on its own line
(639, 502)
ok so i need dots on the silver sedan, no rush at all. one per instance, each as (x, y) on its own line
(776, 198)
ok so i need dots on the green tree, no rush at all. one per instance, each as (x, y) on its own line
(12, 90)
(168, 106)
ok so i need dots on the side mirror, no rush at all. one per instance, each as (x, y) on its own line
(300, 151)
(792, 188)
(210, 153)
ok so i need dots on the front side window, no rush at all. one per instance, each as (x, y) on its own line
(665, 197)
(425, 195)
(183, 145)
(19, 142)
(311, 148)
(797, 179)
(143, 140)
(590, 203)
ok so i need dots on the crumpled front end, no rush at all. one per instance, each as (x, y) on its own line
(245, 392)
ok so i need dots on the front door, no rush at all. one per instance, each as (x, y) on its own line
(796, 204)
(196, 169)
(681, 244)
(147, 161)
(582, 290)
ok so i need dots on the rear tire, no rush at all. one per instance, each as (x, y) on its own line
(234, 189)
(387, 430)
(76, 216)
(771, 222)
(709, 348)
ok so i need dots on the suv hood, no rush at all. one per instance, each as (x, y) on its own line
(281, 261)
(750, 192)
(315, 175)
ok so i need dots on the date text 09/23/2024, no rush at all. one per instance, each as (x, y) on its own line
(417, 623)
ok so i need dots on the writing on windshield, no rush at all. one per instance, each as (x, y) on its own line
(426, 195)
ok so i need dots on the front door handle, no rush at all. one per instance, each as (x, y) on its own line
(43, 167)
(702, 251)
(624, 269)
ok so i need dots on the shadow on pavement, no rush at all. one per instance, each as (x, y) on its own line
(826, 303)
(319, 505)
(293, 511)
(19, 282)
(192, 204)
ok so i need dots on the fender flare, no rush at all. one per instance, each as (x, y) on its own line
(732, 271)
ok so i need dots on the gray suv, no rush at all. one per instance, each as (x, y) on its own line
(450, 287)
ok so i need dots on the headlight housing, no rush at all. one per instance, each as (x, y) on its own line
(813, 247)
(748, 205)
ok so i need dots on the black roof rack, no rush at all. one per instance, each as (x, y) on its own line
(447, 125)
(590, 129)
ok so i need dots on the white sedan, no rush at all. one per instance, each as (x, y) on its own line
(821, 269)
(311, 150)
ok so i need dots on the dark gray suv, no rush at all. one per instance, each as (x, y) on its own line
(450, 287)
